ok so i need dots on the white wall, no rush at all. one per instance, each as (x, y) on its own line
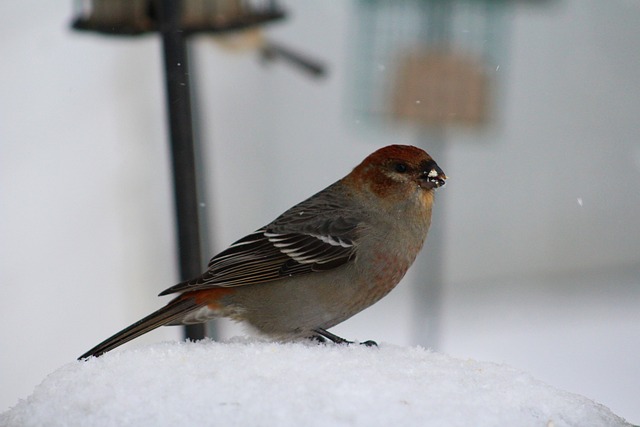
(86, 216)
(568, 134)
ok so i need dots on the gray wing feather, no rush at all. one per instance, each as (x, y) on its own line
(316, 235)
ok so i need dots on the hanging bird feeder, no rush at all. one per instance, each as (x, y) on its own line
(428, 62)
(134, 17)
(175, 20)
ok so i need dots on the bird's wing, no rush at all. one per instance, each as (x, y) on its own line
(316, 235)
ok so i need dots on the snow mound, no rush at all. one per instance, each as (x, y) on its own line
(255, 383)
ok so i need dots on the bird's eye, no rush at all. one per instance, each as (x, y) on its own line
(401, 167)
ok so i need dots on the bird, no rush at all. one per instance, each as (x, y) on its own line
(320, 262)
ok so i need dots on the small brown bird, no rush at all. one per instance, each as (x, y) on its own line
(320, 262)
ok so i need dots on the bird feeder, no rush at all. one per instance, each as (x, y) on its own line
(133, 17)
(175, 20)
(427, 62)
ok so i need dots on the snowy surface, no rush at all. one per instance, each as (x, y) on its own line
(254, 383)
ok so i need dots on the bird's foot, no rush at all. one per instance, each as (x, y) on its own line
(318, 339)
(322, 335)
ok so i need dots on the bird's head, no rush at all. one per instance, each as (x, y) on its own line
(398, 170)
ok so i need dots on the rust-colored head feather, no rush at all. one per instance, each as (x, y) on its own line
(387, 171)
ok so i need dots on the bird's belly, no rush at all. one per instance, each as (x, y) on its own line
(294, 308)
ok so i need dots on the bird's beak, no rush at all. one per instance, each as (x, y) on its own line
(435, 178)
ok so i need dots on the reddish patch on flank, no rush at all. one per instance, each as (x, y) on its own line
(209, 297)
(391, 270)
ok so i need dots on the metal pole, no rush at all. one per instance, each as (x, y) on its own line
(182, 147)
(428, 267)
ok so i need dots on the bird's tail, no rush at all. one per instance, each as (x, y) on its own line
(174, 311)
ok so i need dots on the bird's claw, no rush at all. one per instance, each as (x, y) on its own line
(322, 335)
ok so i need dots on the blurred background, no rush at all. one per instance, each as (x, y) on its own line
(531, 108)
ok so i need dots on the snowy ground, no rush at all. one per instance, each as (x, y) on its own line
(247, 382)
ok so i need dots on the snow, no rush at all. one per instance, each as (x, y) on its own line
(249, 382)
